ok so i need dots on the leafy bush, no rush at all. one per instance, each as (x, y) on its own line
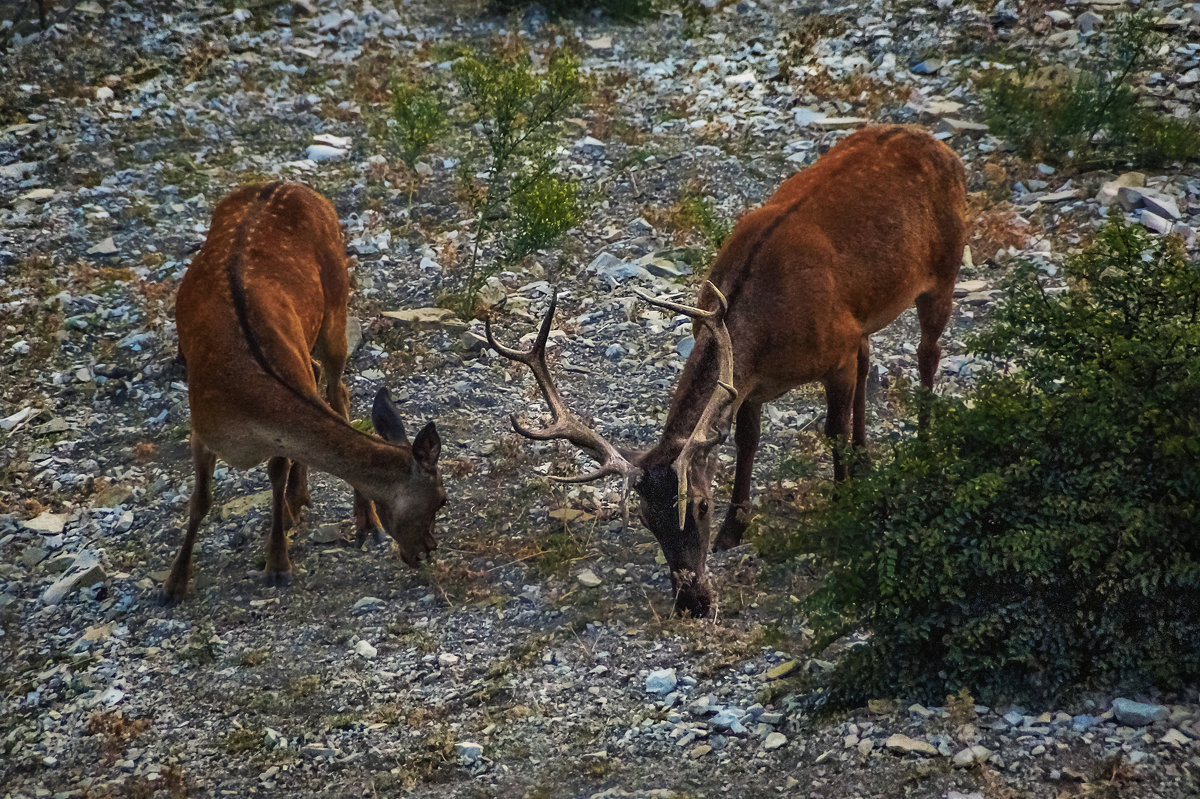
(516, 112)
(1091, 117)
(417, 119)
(1043, 537)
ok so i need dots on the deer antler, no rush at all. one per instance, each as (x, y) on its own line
(566, 425)
(708, 431)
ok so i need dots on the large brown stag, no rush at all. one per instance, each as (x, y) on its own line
(264, 297)
(840, 250)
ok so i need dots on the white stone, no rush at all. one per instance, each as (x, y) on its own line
(364, 649)
(774, 741)
(323, 152)
(468, 751)
(106, 247)
(447, 659)
(104, 94)
(588, 578)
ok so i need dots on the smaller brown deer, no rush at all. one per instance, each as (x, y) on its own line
(264, 297)
(838, 252)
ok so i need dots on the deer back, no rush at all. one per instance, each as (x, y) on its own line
(839, 251)
(252, 305)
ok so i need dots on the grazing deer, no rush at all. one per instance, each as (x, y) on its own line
(266, 295)
(840, 250)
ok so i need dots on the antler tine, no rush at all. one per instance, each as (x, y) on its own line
(698, 314)
(566, 425)
(539, 345)
(708, 431)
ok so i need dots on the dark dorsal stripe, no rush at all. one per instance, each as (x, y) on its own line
(233, 266)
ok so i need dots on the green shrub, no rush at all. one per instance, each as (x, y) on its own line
(515, 113)
(1043, 537)
(417, 119)
(1091, 117)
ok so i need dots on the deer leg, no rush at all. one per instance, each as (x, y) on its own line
(860, 456)
(745, 435)
(203, 461)
(933, 312)
(332, 347)
(279, 569)
(297, 490)
(839, 401)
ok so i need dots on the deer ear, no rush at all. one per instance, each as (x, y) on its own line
(386, 418)
(427, 447)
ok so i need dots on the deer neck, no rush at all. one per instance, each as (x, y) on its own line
(329, 444)
(692, 393)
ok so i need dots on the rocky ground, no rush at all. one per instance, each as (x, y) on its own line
(535, 656)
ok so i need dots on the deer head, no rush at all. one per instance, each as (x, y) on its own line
(676, 494)
(407, 507)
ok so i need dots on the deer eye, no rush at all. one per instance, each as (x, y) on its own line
(702, 507)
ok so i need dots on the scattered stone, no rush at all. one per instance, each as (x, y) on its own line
(364, 649)
(699, 751)
(588, 579)
(1175, 738)
(1138, 714)
(782, 670)
(443, 317)
(960, 127)
(47, 522)
(368, 604)
(106, 247)
(661, 681)
(970, 756)
(468, 751)
(326, 534)
(323, 152)
(774, 741)
(1110, 191)
(85, 573)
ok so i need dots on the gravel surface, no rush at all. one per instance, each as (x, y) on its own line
(535, 656)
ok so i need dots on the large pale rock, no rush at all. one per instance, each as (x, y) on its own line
(902, 744)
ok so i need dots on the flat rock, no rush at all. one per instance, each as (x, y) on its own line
(1110, 191)
(86, 573)
(840, 123)
(368, 604)
(1152, 221)
(774, 741)
(588, 578)
(782, 670)
(442, 317)
(46, 522)
(364, 649)
(960, 127)
(324, 152)
(106, 247)
(902, 744)
(1138, 714)
(468, 751)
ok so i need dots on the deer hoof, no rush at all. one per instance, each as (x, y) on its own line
(372, 534)
(730, 536)
(170, 596)
(277, 578)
